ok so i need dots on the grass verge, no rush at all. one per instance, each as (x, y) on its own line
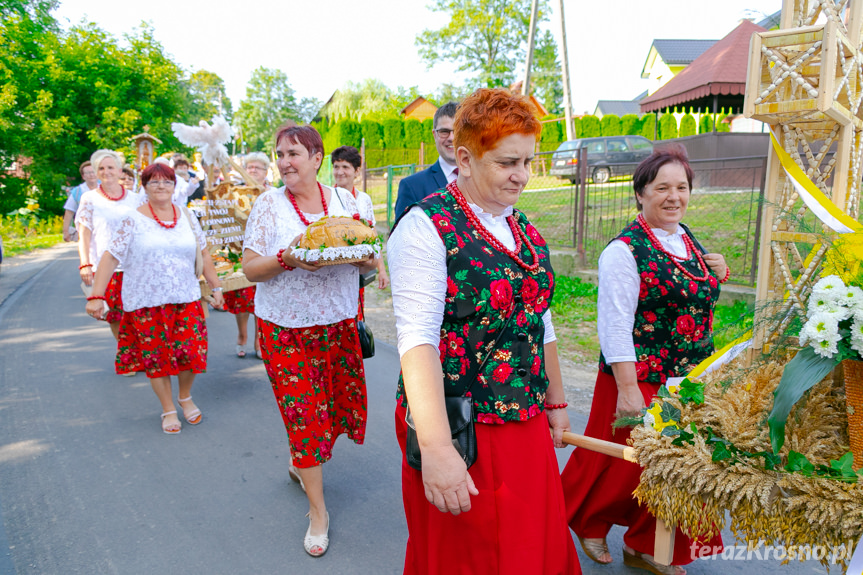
(23, 234)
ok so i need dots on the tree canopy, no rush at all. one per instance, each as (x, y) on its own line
(487, 37)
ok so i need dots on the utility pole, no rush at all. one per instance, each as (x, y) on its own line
(567, 97)
(531, 37)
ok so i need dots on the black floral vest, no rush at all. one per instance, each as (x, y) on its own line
(484, 287)
(673, 329)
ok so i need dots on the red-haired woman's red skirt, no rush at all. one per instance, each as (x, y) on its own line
(598, 488)
(319, 383)
(517, 523)
(113, 298)
(240, 301)
(163, 340)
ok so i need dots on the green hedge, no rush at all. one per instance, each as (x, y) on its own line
(373, 134)
(413, 133)
(648, 127)
(667, 127)
(610, 125)
(590, 127)
(630, 125)
(687, 125)
(705, 124)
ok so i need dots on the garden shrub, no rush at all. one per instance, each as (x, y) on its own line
(705, 124)
(667, 127)
(373, 133)
(610, 125)
(590, 127)
(687, 125)
(13, 194)
(630, 125)
(648, 126)
(394, 134)
(348, 133)
(722, 126)
(413, 133)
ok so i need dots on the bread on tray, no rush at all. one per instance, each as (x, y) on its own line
(338, 240)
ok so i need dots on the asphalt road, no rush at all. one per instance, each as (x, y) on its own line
(90, 484)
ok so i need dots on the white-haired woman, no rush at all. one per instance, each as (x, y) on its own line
(163, 332)
(241, 302)
(96, 213)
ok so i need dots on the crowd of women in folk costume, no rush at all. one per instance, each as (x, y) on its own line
(472, 284)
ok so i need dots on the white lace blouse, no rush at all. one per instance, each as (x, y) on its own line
(364, 204)
(158, 263)
(99, 214)
(619, 284)
(417, 262)
(299, 298)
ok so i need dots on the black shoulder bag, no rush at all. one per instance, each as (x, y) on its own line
(459, 413)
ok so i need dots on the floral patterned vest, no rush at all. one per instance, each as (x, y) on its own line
(484, 287)
(673, 329)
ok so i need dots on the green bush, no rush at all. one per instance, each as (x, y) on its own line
(667, 127)
(630, 125)
(590, 127)
(722, 126)
(373, 134)
(348, 133)
(413, 133)
(394, 134)
(13, 194)
(576, 123)
(705, 124)
(648, 126)
(687, 125)
(610, 125)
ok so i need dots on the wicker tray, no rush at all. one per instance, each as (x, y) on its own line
(338, 261)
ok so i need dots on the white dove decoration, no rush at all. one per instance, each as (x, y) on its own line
(209, 139)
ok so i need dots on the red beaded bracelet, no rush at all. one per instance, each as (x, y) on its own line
(556, 405)
(282, 262)
(85, 266)
(727, 275)
(92, 297)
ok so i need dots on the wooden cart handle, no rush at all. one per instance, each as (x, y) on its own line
(600, 446)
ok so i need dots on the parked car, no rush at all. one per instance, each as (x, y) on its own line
(607, 156)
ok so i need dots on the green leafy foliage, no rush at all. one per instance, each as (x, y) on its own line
(687, 125)
(667, 127)
(630, 125)
(546, 74)
(413, 133)
(804, 371)
(705, 124)
(373, 133)
(269, 103)
(648, 126)
(486, 37)
(691, 391)
(610, 125)
(590, 127)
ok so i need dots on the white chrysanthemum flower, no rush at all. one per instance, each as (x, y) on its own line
(828, 283)
(857, 335)
(852, 297)
(803, 338)
(648, 419)
(825, 301)
(827, 347)
(821, 325)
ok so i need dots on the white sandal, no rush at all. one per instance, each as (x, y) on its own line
(171, 431)
(295, 476)
(194, 416)
(316, 545)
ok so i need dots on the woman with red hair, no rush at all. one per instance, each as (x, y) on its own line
(162, 332)
(657, 290)
(472, 283)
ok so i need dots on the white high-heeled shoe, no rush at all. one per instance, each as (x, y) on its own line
(316, 545)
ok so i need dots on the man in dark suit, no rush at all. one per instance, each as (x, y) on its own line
(436, 177)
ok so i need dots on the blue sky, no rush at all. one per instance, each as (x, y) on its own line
(322, 44)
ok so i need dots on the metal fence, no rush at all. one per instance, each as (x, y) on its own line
(723, 210)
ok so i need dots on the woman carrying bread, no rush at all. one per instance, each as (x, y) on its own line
(472, 283)
(162, 332)
(306, 312)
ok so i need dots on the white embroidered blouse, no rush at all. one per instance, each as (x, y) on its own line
(158, 263)
(299, 298)
(417, 262)
(364, 204)
(99, 214)
(617, 301)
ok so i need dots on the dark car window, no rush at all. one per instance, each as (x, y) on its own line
(567, 146)
(640, 144)
(617, 145)
(597, 147)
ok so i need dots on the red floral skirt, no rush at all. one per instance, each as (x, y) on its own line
(240, 301)
(319, 383)
(361, 314)
(517, 523)
(598, 488)
(164, 340)
(113, 297)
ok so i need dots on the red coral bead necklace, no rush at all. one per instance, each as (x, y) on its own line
(297, 208)
(160, 222)
(107, 197)
(517, 232)
(690, 249)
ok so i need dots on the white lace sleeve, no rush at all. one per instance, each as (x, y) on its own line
(549, 328)
(619, 283)
(261, 226)
(84, 215)
(121, 238)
